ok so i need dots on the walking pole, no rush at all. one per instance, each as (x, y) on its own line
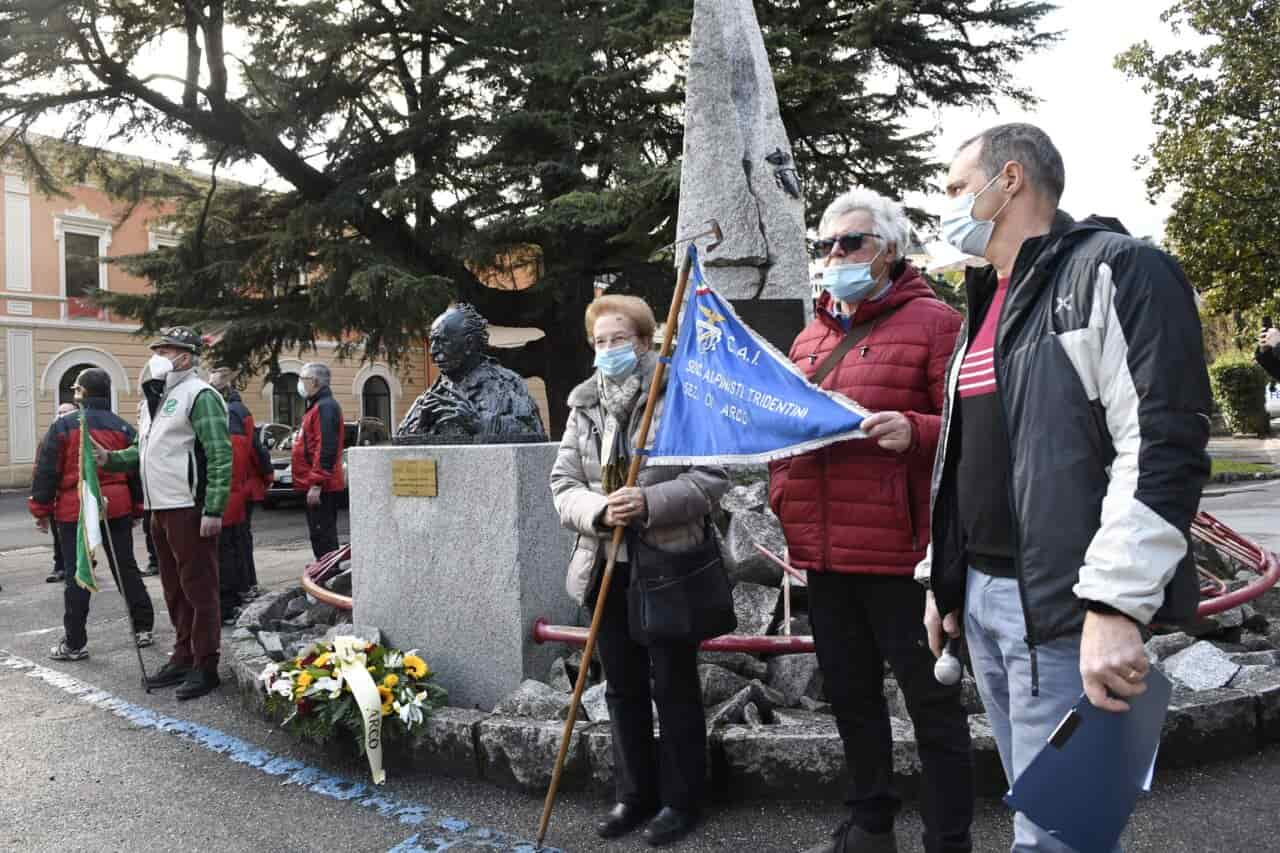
(114, 565)
(642, 438)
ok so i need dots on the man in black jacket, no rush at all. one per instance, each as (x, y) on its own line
(1268, 354)
(1072, 450)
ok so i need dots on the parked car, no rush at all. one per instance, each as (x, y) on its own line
(1273, 400)
(278, 440)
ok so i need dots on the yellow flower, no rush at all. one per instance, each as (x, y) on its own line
(386, 709)
(322, 661)
(391, 680)
(416, 666)
(304, 680)
(385, 693)
(297, 661)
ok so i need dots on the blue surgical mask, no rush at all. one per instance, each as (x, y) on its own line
(617, 361)
(961, 230)
(850, 282)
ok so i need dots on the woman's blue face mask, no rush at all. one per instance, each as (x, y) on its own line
(617, 361)
(850, 282)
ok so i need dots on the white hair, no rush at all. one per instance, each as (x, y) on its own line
(890, 219)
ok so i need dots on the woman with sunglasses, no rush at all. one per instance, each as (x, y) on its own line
(856, 516)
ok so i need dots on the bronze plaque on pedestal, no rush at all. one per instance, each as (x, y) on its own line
(413, 478)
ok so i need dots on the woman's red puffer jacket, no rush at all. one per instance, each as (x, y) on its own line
(854, 507)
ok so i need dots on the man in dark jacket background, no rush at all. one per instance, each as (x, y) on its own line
(317, 458)
(250, 471)
(59, 573)
(1268, 354)
(855, 516)
(55, 494)
(1072, 451)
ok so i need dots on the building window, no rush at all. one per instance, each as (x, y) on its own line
(376, 399)
(65, 394)
(81, 267)
(286, 404)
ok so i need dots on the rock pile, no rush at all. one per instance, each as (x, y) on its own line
(771, 729)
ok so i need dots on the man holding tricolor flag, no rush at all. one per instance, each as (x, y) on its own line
(851, 488)
(87, 507)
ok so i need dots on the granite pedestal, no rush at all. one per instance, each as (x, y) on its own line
(462, 576)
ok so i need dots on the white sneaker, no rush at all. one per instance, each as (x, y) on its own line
(64, 652)
(143, 639)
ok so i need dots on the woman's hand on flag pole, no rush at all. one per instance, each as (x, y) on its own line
(626, 505)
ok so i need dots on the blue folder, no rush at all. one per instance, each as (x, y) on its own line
(1084, 783)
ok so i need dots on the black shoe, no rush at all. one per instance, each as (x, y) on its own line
(170, 674)
(150, 571)
(669, 825)
(851, 838)
(198, 683)
(623, 818)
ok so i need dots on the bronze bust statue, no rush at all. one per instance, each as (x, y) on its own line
(475, 400)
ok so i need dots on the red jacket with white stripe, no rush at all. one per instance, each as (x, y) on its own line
(853, 507)
(56, 481)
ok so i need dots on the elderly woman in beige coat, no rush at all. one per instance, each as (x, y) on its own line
(663, 785)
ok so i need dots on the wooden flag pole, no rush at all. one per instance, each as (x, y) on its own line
(633, 472)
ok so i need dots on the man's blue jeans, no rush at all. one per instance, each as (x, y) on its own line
(996, 632)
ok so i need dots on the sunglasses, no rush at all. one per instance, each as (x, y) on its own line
(849, 243)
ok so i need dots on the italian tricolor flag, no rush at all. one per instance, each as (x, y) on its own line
(89, 531)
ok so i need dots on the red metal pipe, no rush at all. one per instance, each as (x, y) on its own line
(574, 636)
(324, 596)
(1266, 563)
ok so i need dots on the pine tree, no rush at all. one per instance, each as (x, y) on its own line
(418, 141)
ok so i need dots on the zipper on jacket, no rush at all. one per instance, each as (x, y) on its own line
(1030, 638)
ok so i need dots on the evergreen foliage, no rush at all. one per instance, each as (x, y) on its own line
(416, 141)
(1217, 113)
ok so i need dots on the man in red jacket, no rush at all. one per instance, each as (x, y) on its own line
(856, 517)
(55, 495)
(317, 458)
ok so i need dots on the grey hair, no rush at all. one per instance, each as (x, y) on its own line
(318, 372)
(890, 219)
(1028, 145)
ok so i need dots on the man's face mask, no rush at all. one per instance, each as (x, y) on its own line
(962, 230)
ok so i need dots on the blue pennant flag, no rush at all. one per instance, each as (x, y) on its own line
(732, 398)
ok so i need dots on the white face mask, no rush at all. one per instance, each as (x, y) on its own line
(302, 389)
(159, 366)
(961, 230)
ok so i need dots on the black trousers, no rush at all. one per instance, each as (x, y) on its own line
(672, 771)
(59, 564)
(322, 524)
(75, 600)
(231, 569)
(151, 545)
(250, 576)
(859, 622)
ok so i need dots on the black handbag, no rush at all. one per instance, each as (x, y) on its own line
(678, 596)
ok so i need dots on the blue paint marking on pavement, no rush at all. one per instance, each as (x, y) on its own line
(448, 833)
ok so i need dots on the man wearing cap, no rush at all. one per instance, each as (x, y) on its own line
(183, 451)
(55, 496)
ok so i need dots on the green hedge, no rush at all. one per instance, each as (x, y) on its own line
(1240, 389)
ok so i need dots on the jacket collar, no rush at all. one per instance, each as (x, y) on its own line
(232, 395)
(318, 396)
(95, 403)
(586, 395)
(909, 284)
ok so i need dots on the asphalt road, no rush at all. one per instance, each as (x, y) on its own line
(88, 761)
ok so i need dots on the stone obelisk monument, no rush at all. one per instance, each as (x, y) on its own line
(738, 169)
